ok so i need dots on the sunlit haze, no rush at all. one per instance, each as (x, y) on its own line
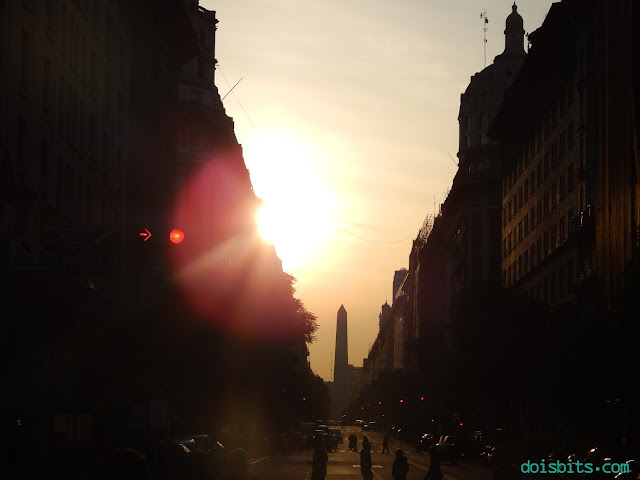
(298, 214)
(347, 114)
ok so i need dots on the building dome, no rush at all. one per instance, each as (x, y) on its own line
(514, 20)
(514, 33)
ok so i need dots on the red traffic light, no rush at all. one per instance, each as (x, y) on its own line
(176, 235)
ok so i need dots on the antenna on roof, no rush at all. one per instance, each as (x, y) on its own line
(483, 16)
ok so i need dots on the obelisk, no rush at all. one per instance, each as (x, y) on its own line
(341, 370)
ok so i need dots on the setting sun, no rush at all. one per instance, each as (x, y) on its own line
(298, 212)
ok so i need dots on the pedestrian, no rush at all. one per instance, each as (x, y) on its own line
(434, 472)
(365, 462)
(238, 466)
(385, 443)
(366, 443)
(319, 462)
(353, 442)
(400, 466)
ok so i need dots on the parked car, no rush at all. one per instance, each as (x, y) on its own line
(448, 449)
(425, 442)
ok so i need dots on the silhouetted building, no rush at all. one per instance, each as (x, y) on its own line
(617, 175)
(456, 255)
(341, 365)
(85, 89)
(548, 127)
(355, 382)
(398, 278)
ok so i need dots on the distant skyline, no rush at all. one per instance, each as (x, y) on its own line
(347, 114)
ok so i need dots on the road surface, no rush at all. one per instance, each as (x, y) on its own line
(345, 465)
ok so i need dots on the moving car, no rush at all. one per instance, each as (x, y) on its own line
(371, 426)
(425, 442)
(448, 449)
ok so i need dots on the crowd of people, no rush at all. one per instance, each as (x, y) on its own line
(129, 464)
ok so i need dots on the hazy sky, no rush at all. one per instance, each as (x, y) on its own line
(347, 113)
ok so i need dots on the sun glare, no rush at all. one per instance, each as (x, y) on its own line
(298, 211)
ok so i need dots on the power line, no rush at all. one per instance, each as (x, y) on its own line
(232, 89)
(236, 97)
(374, 241)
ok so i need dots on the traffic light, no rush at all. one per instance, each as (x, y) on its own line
(176, 235)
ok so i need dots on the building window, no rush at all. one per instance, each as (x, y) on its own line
(546, 164)
(526, 189)
(519, 231)
(23, 150)
(561, 228)
(532, 254)
(46, 88)
(24, 62)
(519, 267)
(570, 177)
(539, 211)
(553, 237)
(520, 197)
(108, 35)
(571, 138)
(546, 202)
(532, 218)
(545, 243)
(484, 122)
(533, 181)
(554, 193)
(484, 139)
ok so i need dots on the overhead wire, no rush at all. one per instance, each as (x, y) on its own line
(235, 96)
(374, 241)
